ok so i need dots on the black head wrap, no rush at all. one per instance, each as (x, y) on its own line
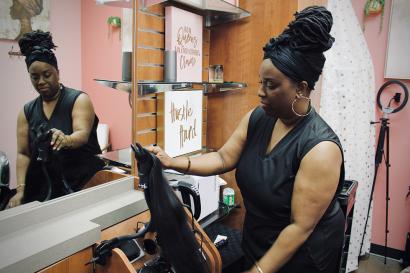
(298, 51)
(37, 46)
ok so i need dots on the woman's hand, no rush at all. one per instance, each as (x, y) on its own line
(16, 199)
(165, 159)
(59, 140)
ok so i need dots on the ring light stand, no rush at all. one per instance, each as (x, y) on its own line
(380, 152)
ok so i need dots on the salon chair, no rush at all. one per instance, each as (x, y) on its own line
(5, 192)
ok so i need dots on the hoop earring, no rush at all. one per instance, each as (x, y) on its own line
(293, 106)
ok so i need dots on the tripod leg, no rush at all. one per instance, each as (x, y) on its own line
(378, 159)
(368, 207)
(387, 162)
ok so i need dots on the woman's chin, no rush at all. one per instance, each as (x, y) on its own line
(267, 109)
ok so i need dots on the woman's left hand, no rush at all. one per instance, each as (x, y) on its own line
(59, 140)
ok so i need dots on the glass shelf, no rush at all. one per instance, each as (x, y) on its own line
(215, 12)
(124, 86)
(146, 88)
(116, 3)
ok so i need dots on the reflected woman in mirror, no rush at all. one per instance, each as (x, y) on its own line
(24, 10)
(56, 132)
(288, 161)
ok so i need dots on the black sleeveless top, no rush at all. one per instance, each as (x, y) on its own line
(76, 166)
(266, 182)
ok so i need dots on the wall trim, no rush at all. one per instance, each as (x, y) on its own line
(391, 252)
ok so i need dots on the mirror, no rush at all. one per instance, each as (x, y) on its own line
(88, 48)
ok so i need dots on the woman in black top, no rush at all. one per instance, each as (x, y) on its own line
(70, 116)
(289, 162)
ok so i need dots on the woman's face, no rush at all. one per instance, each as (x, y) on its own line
(276, 92)
(45, 79)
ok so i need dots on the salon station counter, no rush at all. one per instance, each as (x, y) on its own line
(36, 235)
(59, 235)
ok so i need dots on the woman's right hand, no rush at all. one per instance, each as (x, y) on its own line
(165, 159)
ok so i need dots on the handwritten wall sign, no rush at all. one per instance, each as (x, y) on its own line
(183, 122)
(183, 34)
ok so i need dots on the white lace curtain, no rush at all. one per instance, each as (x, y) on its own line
(348, 105)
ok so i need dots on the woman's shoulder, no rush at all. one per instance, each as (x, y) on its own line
(318, 131)
(29, 107)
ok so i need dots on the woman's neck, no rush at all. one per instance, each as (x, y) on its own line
(291, 122)
(53, 98)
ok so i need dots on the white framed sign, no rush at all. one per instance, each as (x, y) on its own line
(397, 64)
(183, 34)
(182, 122)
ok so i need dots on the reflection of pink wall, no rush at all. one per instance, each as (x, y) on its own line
(101, 59)
(16, 89)
(399, 216)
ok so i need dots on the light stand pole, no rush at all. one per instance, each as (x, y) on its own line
(384, 134)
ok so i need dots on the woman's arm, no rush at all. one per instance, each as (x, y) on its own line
(83, 119)
(315, 186)
(223, 160)
(23, 157)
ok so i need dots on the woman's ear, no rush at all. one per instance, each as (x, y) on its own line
(303, 89)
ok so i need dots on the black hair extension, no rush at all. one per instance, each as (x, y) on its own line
(176, 236)
(298, 51)
(37, 46)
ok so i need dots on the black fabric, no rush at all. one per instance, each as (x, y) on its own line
(231, 252)
(266, 182)
(43, 55)
(77, 165)
(37, 45)
(174, 233)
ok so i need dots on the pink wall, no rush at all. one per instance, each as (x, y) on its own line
(16, 90)
(399, 216)
(101, 59)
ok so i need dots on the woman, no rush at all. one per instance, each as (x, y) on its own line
(24, 10)
(289, 162)
(67, 115)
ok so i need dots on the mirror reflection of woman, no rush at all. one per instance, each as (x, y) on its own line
(68, 114)
(24, 10)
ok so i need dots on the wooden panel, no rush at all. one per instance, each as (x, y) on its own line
(74, 263)
(205, 63)
(151, 39)
(147, 122)
(205, 54)
(146, 21)
(150, 73)
(151, 56)
(160, 120)
(147, 138)
(146, 106)
(156, 9)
